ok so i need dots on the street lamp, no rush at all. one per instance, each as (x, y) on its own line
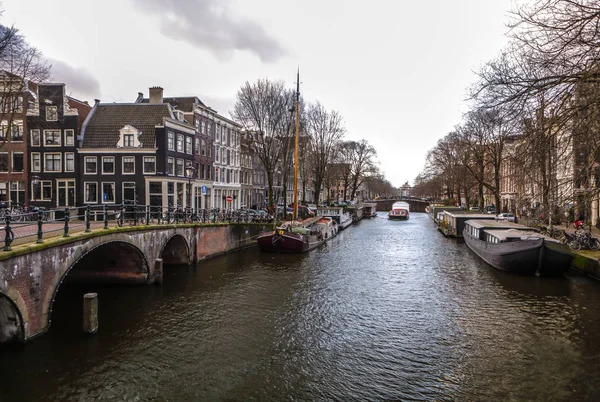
(189, 173)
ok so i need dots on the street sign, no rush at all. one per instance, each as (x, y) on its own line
(229, 198)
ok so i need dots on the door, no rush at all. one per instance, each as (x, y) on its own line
(66, 193)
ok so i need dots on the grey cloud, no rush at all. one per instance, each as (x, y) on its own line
(79, 82)
(221, 105)
(211, 25)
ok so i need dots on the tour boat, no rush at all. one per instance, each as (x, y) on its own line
(400, 211)
(298, 237)
(516, 248)
(344, 219)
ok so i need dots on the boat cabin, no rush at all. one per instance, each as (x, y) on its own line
(477, 228)
(452, 223)
(508, 235)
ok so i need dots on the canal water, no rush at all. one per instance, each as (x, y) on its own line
(385, 311)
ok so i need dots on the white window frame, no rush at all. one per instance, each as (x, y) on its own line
(39, 136)
(189, 145)
(114, 192)
(85, 159)
(85, 192)
(144, 164)
(69, 133)
(123, 165)
(39, 157)
(113, 163)
(12, 161)
(182, 167)
(170, 162)
(7, 162)
(59, 138)
(52, 107)
(171, 144)
(59, 162)
(180, 141)
(66, 165)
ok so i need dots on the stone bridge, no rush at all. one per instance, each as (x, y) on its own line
(416, 205)
(31, 275)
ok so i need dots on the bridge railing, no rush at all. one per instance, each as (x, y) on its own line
(39, 223)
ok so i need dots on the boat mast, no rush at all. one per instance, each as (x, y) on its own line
(295, 215)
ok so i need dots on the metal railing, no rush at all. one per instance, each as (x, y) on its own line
(38, 222)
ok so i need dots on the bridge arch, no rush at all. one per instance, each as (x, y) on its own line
(176, 250)
(12, 324)
(114, 261)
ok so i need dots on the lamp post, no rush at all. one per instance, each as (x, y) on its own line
(189, 173)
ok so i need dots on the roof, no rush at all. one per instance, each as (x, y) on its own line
(494, 224)
(102, 129)
(185, 103)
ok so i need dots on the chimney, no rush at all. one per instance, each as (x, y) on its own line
(139, 98)
(156, 95)
(96, 101)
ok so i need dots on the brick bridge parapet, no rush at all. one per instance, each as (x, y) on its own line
(31, 275)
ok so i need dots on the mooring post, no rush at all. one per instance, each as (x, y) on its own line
(158, 271)
(90, 313)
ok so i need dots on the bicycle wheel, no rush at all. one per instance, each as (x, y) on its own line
(574, 245)
(594, 244)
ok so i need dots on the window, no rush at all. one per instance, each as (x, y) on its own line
(155, 193)
(17, 162)
(170, 166)
(197, 124)
(42, 190)
(179, 142)
(188, 145)
(36, 162)
(203, 147)
(108, 192)
(52, 138)
(52, 162)
(91, 192)
(51, 113)
(17, 192)
(180, 167)
(69, 162)
(46, 190)
(128, 140)
(90, 165)
(35, 138)
(197, 145)
(69, 138)
(149, 164)
(108, 165)
(171, 141)
(4, 162)
(203, 127)
(17, 131)
(128, 165)
(217, 148)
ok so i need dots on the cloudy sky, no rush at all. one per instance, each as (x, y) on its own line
(396, 70)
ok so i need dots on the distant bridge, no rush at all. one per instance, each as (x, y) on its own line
(415, 204)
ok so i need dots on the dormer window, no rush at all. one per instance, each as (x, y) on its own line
(129, 137)
(51, 113)
(128, 140)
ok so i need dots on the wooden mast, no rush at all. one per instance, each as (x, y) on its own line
(295, 215)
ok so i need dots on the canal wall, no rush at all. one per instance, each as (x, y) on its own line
(31, 275)
(586, 264)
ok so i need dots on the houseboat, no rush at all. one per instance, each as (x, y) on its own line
(295, 237)
(370, 209)
(400, 211)
(339, 214)
(516, 248)
(452, 223)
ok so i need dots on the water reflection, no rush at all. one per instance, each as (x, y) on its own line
(387, 310)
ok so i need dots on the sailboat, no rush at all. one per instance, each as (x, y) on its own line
(293, 236)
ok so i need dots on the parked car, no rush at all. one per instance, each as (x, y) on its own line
(505, 217)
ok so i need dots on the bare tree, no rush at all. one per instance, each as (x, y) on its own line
(362, 163)
(264, 107)
(21, 67)
(326, 130)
